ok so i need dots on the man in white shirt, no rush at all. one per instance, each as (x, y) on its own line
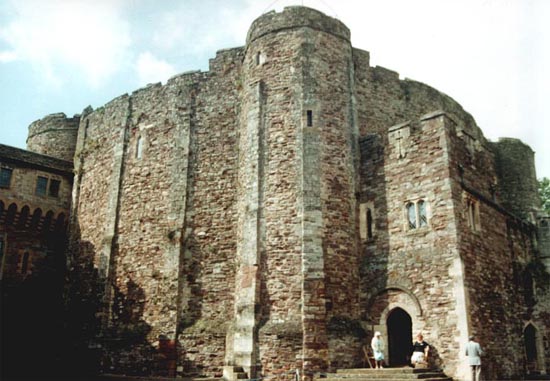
(474, 352)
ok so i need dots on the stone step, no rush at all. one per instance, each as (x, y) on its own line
(404, 370)
(391, 375)
(372, 378)
(404, 376)
(385, 374)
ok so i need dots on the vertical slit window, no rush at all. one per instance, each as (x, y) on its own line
(369, 224)
(139, 147)
(309, 118)
(411, 215)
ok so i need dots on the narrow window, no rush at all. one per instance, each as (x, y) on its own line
(25, 263)
(1, 258)
(5, 177)
(473, 215)
(309, 118)
(41, 186)
(369, 224)
(54, 188)
(411, 215)
(422, 218)
(139, 147)
(258, 58)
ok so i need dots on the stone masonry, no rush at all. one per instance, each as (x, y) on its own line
(267, 216)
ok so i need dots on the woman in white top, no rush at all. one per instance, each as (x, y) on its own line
(377, 345)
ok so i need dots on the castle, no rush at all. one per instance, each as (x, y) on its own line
(272, 213)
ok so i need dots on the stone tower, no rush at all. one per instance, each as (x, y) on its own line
(54, 135)
(297, 184)
(265, 217)
(517, 178)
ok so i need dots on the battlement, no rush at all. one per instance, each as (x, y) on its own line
(54, 135)
(296, 17)
(57, 121)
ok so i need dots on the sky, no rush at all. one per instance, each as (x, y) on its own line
(491, 56)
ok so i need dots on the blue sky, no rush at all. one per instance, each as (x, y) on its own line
(492, 56)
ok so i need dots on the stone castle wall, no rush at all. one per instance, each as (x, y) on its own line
(160, 232)
(518, 187)
(490, 242)
(54, 135)
(219, 221)
(413, 268)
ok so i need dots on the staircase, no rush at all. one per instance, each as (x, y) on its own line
(386, 374)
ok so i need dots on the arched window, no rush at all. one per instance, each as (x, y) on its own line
(46, 225)
(411, 215)
(12, 210)
(23, 216)
(60, 223)
(35, 220)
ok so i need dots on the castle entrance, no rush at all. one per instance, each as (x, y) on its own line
(530, 337)
(399, 325)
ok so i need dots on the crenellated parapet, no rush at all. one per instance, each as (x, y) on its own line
(294, 18)
(54, 135)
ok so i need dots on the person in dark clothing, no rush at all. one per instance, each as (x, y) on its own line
(420, 350)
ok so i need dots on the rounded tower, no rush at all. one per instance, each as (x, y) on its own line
(518, 184)
(54, 135)
(297, 252)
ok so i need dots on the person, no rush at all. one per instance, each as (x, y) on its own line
(474, 353)
(420, 350)
(377, 345)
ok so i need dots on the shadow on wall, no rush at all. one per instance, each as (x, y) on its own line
(32, 309)
(108, 334)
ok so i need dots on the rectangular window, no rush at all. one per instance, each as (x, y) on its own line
(54, 188)
(5, 177)
(41, 186)
(309, 118)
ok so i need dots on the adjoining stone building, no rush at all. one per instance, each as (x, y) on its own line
(35, 194)
(268, 215)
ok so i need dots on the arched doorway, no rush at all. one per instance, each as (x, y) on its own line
(399, 325)
(530, 339)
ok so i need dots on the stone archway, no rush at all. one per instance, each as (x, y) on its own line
(399, 324)
(534, 351)
(389, 309)
(530, 341)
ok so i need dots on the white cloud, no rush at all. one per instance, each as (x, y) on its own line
(56, 36)
(8, 56)
(151, 69)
